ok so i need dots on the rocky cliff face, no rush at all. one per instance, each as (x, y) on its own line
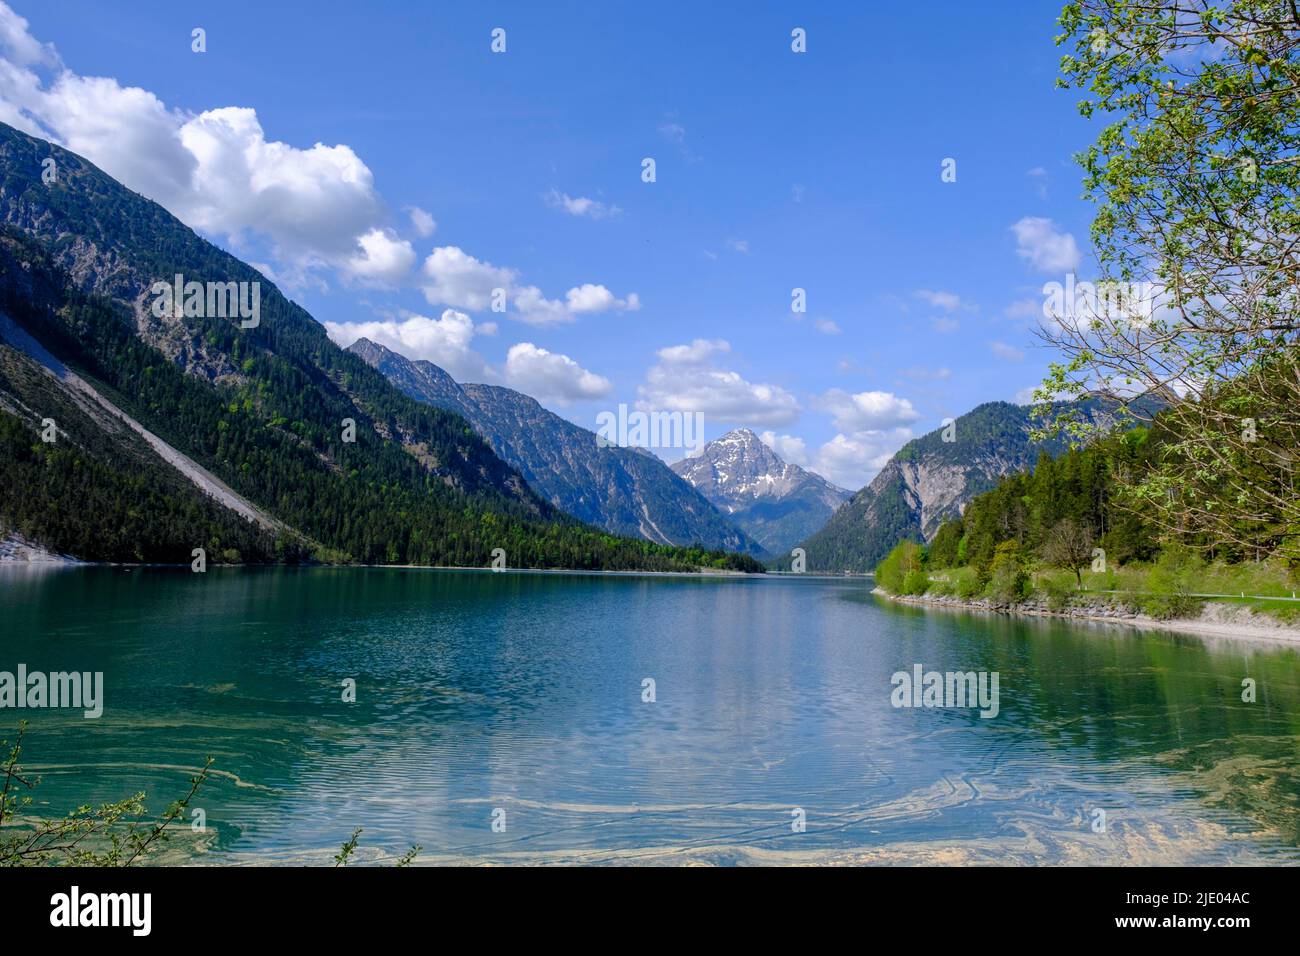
(623, 490)
(931, 479)
(776, 503)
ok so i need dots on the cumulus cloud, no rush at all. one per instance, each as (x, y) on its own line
(596, 298)
(851, 461)
(697, 351)
(19, 46)
(215, 170)
(684, 380)
(581, 206)
(551, 376)
(312, 202)
(444, 341)
(827, 327)
(867, 411)
(1044, 246)
(738, 245)
(451, 276)
(790, 448)
(422, 222)
(382, 257)
(871, 431)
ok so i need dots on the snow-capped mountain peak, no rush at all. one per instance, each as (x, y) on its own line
(776, 502)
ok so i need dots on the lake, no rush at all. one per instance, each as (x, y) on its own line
(521, 699)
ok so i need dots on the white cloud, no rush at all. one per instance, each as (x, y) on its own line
(454, 277)
(851, 461)
(383, 257)
(697, 351)
(1046, 248)
(581, 206)
(790, 448)
(314, 203)
(551, 376)
(444, 341)
(457, 279)
(596, 298)
(215, 170)
(422, 221)
(18, 45)
(867, 411)
(683, 380)
(126, 131)
(738, 245)
(827, 327)
(947, 301)
(1009, 352)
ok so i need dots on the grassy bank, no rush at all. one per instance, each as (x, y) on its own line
(1175, 586)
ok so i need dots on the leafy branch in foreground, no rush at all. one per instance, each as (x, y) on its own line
(350, 846)
(112, 834)
(1196, 176)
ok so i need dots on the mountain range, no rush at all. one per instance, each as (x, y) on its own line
(931, 478)
(133, 433)
(776, 503)
(137, 433)
(626, 491)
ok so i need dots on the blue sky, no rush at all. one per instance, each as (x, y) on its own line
(445, 170)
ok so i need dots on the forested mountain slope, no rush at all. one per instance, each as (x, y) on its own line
(265, 409)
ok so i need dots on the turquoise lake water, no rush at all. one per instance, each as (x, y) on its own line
(518, 698)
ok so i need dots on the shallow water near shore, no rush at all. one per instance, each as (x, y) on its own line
(523, 693)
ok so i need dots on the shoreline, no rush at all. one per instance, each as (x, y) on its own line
(64, 562)
(1216, 620)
